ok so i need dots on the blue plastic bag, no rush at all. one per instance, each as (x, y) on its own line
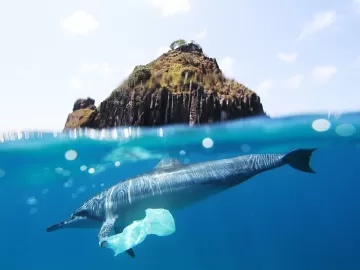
(157, 221)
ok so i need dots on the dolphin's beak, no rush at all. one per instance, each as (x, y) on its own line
(65, 224)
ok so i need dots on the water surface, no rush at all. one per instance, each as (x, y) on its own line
(281, 219)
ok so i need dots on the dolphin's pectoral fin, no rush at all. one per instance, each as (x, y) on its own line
(130, 251)
(105, 231)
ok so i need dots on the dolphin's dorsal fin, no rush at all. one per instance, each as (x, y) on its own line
(168, 163)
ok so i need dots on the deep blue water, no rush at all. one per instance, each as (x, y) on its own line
(281, 219)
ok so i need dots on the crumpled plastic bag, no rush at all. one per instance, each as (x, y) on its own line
(157, 221)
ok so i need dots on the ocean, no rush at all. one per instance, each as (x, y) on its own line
(280, 219)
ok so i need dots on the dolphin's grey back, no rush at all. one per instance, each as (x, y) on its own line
(167, 186)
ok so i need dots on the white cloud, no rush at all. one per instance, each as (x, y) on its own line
(161, 50)
(87, 68)
(320, 21)
(201, 35)
(287, 57)
(264, 87)
(226, 65)
(323, 73)
(294, 82)
(80, 23)
(357, 3)
(76, 83)
(172, 7)
(103, 68)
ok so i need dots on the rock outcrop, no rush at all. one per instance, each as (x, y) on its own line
(88, 103)
(181, 86)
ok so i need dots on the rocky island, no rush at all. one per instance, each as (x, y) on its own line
(181, 86)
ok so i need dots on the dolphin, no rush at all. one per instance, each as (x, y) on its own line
(173, 186)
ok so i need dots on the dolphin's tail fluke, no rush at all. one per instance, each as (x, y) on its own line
(300, 159)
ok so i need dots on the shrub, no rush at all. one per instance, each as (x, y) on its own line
(140, 73)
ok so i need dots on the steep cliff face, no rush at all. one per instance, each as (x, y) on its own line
(181, 86)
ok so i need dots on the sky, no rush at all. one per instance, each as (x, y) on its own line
(298, 56)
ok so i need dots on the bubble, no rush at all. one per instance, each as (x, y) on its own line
(81, 189)
(2, 173)
(74, 195)
(345, 130)
(245, 148)
(63, 172)
(186, 161)
(71, 155)
(68, 184)
(91, 170)
(59, 170)
(44, 191)
(93, 186)
(102, 184)
(207, 143)
(321, 125)
(83, 168)
(33, 210)
(182, 152)
(117, 163)
(31, 200)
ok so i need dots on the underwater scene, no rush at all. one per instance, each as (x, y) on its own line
(302, 216)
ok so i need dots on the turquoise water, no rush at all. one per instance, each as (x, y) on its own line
(281, 219)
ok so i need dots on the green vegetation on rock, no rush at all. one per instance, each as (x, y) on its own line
(177, 43)
(183, 64)
(139, 75)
